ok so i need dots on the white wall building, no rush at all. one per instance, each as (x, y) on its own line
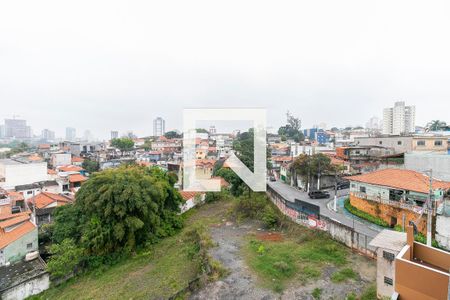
(14, 173)
(159, 126)
(61, 159)
(399, 119)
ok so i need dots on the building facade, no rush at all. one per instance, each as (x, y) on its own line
(16, 128)
(71, 134)
(159, 126)
(399, 119)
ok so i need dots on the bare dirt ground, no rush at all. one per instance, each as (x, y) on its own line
(242, 284)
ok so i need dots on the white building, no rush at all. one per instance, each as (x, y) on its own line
(399, 119)
(159, 126)
(71, 134)
(61, 159)
(114, 135)
(15, 172)
(48, 135)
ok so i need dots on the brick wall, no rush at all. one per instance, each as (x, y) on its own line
(387, 212)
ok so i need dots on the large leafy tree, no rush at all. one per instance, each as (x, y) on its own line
(312, 165)
(123, 144)
(90, 166)
(292, 129)
(436, 125)
(119, 210)
(172, 134)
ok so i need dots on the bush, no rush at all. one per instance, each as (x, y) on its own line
(363, 215)
(316, 293)
(343, 275)
(282, 266)
(65, 259)
(270, 217)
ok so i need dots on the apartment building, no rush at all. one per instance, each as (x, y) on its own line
(399, 119)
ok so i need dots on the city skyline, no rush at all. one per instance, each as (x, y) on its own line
(134, 73)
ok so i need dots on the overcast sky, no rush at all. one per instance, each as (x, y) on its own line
(116, 65)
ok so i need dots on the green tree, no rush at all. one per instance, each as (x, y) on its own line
(90, 166)
(172, 135)
(292, 129)
(147, 144)
(65, 259)
(436, 125)
(118, 210)
(201, 130)
(123, 144)
(307, 166)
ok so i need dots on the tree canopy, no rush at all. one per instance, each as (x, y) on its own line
(118, 211)
(123, 144)
(306, 165)
(292, 129)
(172, 135)
(436, 125)
(90, 166)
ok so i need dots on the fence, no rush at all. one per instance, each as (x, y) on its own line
(345, 234)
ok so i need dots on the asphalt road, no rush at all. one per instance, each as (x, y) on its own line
(291, 193)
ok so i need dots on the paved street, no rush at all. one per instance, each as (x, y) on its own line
(291, 193)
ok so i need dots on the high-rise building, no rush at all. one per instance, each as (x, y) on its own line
(373, 124)
(159, 126)
(87, 136)
(114, 135)
(399, 119)
(71, 134)
(2, 131)
(212, 129)
(48, 135)
(15, 128)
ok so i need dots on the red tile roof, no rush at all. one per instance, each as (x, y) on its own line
(44, 199)
(7, 238)
(14, 221)
(189, 195)
(401, 179)
(77, 159)
(70, 168)
(77, 178)
(282, 158)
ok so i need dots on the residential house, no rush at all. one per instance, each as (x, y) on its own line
(397, 196)
(191, 199)
(77, 161)
(44, 204)
(61, 159)
(21, 171)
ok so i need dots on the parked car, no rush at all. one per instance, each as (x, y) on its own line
(319, 194)
(272, 178)
(343, 185)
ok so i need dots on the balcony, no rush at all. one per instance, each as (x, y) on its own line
(421, 272)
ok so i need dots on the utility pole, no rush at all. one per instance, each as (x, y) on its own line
(335, 189)
(430, 209)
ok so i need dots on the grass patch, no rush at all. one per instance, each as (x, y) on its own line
(370, 293)
(363, 215)
(343, 275)
(277, 263)
(316, 293)
(157, 272)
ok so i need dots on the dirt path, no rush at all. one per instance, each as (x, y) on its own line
(242, 284)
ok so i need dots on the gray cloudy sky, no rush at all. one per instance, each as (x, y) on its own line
(107, 65)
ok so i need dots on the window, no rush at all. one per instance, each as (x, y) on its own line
(29, 246)
(421, 143)
(399, 142)
(438, 143)
(388, 281)
(29, 192)
(380, 142)
(362, 189)
(388, 255)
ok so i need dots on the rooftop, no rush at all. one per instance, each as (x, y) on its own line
(20, 272)
(401, 179)
(389, 239)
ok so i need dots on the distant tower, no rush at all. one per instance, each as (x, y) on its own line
(71, 134)
(159, 126)
(399, 119)
(212, 129)
(114, 135)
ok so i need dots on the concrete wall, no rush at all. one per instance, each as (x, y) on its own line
(18, 249)
(19, 174)
(443, 231)
(385, 268)
(440, 163)
(400, 144)
(386, 212)
(26, 289)
(61, 159)
(429, 143)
